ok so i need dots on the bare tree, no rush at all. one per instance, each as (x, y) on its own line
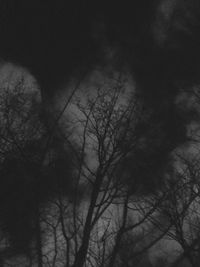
(85, 200)
(181, 208)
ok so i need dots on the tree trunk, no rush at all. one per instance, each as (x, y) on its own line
(82, 252)
(119, 234)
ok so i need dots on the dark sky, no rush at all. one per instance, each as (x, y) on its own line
(57, 38)
(157, 41)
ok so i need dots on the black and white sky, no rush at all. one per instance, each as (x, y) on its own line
(54, 43)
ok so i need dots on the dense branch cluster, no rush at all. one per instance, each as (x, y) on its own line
(61, 207)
